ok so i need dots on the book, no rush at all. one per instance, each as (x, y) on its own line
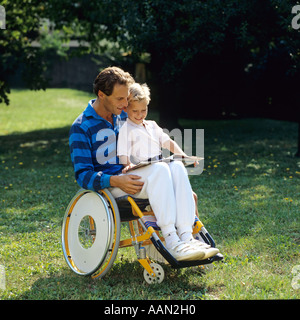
(187, 160)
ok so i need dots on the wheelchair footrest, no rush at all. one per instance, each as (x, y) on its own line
(185, 264)
(182, 264)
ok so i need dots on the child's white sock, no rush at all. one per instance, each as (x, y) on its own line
(171, 239)
(186, 236)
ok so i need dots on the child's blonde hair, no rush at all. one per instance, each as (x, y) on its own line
(139, 92)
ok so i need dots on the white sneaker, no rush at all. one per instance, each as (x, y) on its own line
(184, 251)
(204, 247)
(197, 243)
(210, 252)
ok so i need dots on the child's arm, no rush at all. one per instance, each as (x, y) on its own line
(172, 146)
(124, 160)
(126, 163)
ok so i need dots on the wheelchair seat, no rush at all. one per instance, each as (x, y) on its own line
(125, 208)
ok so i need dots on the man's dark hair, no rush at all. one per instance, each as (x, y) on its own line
(108, 77)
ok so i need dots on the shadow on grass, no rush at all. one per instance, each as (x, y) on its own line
(37, 179)
(40, 143)
(123, 282)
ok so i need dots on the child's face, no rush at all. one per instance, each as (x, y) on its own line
(137, 111)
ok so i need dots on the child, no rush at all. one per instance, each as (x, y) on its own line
(142, 140)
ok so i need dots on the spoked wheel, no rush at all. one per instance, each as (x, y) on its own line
(90, 233)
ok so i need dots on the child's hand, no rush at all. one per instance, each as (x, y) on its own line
(196, 161)
(131, 165)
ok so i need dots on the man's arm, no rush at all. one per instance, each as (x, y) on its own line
(85, 173)
(81, 156)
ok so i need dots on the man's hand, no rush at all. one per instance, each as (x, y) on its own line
(128, 183)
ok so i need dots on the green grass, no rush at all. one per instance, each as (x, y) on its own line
(248, 200)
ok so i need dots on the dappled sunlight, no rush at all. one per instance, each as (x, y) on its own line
(257, 192)
(33, 144)
(43, 143)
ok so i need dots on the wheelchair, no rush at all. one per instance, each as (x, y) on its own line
(91, 235)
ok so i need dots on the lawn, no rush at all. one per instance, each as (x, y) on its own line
(249, 199)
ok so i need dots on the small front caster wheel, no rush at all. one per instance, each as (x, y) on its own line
(159, 274)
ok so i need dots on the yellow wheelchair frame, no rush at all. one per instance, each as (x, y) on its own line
(91, 235)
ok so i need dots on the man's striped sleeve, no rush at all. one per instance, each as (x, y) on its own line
(81, 156)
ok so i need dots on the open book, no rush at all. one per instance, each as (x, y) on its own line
(187, 160)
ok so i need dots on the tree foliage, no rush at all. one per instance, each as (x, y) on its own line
(174, 33)
(22, 25)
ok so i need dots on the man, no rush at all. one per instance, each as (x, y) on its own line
(93, 140)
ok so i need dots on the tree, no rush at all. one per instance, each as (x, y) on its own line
(172, 32)
(224, 43)
(22, 26)
(178, 34)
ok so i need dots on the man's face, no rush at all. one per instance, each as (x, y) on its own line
(117, 101)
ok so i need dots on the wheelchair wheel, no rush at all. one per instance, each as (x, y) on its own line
(159, 272)
(91, 232)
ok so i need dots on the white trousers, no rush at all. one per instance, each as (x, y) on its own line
(169, 191)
